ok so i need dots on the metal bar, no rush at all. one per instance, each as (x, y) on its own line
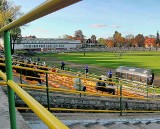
(45, 8)
(147, 89)
(50, 120)
(90, 110)
(21, 76)
(3, 76)
(8, 63)
(47, 90)
(121, 100)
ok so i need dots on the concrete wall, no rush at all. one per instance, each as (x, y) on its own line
(86, 102)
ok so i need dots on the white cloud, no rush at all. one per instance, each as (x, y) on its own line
(116, 26)
(128, 33)
(98, 25)
(40, 30)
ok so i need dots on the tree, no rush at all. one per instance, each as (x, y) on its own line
(109, 42)
(130, 36)
(139, 40)
(102, 41)
(117, 39)
(151, 36)
(79, 35)
(149, 42)
(131, 42)
(9, 13)
(15, 38)
(157, 39)
(93, 39)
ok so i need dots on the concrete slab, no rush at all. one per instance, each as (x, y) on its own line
(119, 126)
(77, 126)
(96, 126)
(153, 126)
(4, 113)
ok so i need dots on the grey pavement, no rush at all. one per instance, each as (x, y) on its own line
(101, 120)
(4, 113)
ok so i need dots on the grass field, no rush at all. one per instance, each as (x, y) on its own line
(149, 60)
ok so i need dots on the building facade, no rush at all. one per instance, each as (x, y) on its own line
(46, 44)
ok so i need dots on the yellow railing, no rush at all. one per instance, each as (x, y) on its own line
(87, 93)
(142, 87)
(45, 8)
(50, 120)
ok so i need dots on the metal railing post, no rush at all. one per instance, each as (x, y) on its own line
(121, 108)
(117, 82)
(147, 90)
(8, 63)
(21, 76)
(47, 90)
(154, 91)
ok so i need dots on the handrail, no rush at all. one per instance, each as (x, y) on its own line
(91, 110)
(40, 11)
(50, 120)
(3, 76)
(45, 8)
(98, 110)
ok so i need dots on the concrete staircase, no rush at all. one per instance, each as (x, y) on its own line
(101, 120)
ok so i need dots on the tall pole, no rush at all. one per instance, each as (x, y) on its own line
(8, 64)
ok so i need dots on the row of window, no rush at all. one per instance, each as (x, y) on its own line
(43, 46)
(41, 42)
(41, 39)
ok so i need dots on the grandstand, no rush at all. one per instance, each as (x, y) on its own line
(64, 98)
(56, 92)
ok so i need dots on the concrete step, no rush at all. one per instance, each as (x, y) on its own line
(133, 126)
(153, 126)
(142, 125)
(77, 126)
(96, 126)
(119, 126)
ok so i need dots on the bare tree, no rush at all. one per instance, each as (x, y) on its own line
(79, 34)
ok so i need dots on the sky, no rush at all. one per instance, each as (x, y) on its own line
(95, 17)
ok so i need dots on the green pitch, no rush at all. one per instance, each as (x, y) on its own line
(149, 60)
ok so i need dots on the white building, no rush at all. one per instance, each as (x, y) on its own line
(47, 44)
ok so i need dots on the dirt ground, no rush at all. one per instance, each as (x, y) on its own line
(93, 69)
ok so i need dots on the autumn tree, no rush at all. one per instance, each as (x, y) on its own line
(109, 43)
(118, 39)
(149, 42)
(139, 40)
